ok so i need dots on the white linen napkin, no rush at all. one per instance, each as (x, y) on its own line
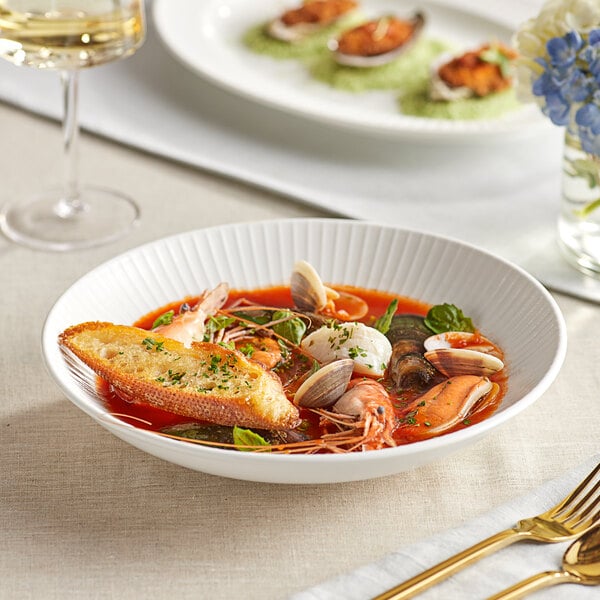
(486, 577)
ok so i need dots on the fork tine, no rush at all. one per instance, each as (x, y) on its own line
(566, 502)
(584, 505)
(588, 522)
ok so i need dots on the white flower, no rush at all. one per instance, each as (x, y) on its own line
(556, 18)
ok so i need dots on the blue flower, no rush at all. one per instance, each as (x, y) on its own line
(590, 54)
(557, 109)
(594, 37)
(587, 119)
(569, 85)
(578, 87)
(563, 50)
(589, 142)
(589, 116)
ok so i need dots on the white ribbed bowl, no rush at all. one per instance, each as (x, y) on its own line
(503, 300)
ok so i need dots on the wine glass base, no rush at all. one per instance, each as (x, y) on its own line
(45, 222)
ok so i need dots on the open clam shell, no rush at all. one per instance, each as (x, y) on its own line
(324, 387)
(463, 353)
(311, 295)
(307, 288)
(377, 60)
(462, 339)
(460, 361)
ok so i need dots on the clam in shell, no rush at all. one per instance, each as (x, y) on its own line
(461, 339)
(324, 387)
(462, 353)
(459, 361)
(311, 295)
(307, 288)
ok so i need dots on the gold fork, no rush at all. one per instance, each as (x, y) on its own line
(571, 517)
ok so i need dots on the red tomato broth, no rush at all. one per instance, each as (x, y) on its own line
(155, 419)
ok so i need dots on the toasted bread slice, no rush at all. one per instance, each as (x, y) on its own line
(206, 382)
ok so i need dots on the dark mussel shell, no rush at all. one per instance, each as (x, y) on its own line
(222, 434)
(408, 368)
(408, 327)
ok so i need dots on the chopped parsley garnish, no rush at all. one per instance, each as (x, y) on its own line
(248, 350)
(356, 351)
(150, 344)
(214, 363)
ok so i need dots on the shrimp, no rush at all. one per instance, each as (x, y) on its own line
(263, 350)
(190, 326)
(365, 418)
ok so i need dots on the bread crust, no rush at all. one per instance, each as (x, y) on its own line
(206, 382)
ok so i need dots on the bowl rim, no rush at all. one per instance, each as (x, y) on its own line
(52, 356)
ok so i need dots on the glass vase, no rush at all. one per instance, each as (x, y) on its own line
(579, 219)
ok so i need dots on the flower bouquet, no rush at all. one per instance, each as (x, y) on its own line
(559, 68)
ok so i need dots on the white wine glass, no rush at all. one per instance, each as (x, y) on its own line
(66, 36)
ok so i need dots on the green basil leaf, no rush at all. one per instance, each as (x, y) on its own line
(261, 318)
(214, 324)
(292, 329)
(383, 323)
(164, 319)
(447, 317)
(247, 437)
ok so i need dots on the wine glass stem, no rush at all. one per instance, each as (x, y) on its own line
(70, 203)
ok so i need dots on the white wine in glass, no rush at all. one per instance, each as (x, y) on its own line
(67, 35)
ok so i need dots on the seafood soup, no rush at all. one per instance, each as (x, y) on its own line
(348, 369)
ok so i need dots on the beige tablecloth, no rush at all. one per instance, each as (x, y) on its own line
(83, 515)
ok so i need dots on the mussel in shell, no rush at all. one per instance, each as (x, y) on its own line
(297, 24)
(408, 327)
(221, 434)
(476, 73)
(377, 42)
(408, 368)
(448, 404)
